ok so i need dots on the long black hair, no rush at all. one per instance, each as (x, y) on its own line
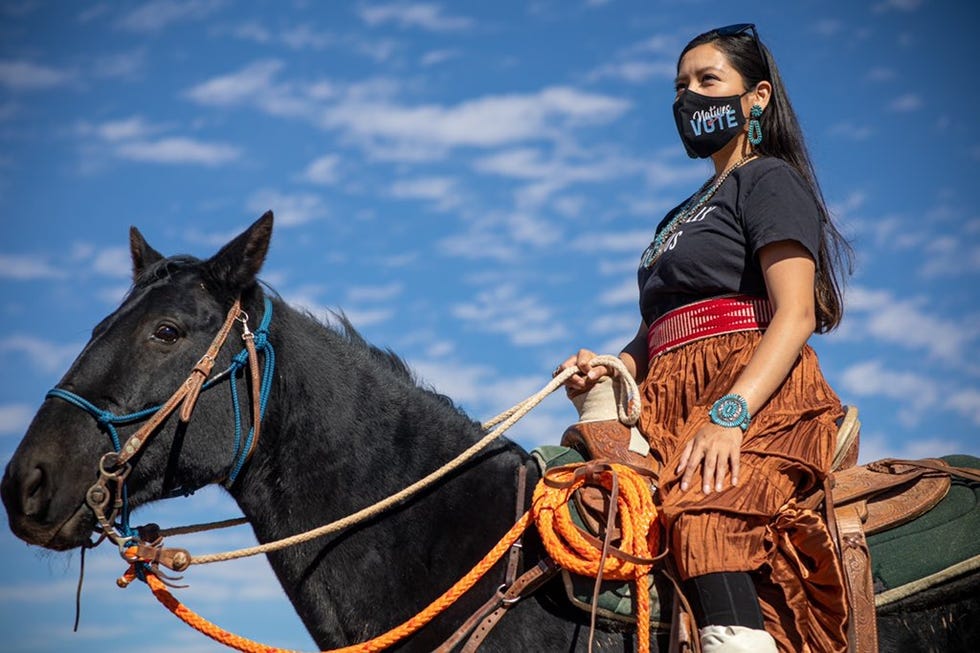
(782, 137)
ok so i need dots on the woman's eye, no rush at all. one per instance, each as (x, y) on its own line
(167, 333)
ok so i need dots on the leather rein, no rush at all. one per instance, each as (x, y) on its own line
(115, 466)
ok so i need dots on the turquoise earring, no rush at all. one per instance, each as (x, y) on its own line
(755, 128)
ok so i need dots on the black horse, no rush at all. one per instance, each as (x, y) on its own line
(346, 425)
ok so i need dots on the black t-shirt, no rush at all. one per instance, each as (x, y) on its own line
(714, 252)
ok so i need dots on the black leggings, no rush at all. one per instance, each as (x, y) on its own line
(724, 599)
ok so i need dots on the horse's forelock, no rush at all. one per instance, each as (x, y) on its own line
(163, 271)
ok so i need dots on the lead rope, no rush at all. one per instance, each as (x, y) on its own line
(566, 548)
(564, 541)
(629, 413)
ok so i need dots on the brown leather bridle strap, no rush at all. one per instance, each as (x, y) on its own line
(253, 365)
(186, 395)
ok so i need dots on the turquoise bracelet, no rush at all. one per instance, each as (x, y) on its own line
(731, 410)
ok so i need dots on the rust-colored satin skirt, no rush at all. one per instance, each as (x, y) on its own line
(755, 527)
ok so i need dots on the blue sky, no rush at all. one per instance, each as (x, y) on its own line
(473, 184)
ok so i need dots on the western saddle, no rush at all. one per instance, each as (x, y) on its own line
(857, 500)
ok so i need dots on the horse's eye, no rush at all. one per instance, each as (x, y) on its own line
(167, 333)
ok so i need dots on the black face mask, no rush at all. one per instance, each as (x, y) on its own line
(706, 124)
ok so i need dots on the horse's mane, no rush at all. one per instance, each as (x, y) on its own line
(385, 357)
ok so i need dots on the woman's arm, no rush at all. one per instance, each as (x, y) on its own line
(789, 273)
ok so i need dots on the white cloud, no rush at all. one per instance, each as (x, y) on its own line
(49, 357)
(290, 209)
(323, 170)
(903, 323)
(124, 65)
(421, 15)
(434, 57)
(827, 27)
(906, 103)
(14, 418)
(522, 318)
(851, 131)
(136, 139)
(914, 393)
(253, 84)
(608, 242)
(966, 402)
(550, 175)
(134, 127)
(302, 37)
(179, 150)
(634, 72)
(440, 190)
(113, 262)
(668, 44)
(897, 5)
(875, 446)
(626, 293)
(484, 122)
(30, 76)
(155, 15)
(26, 267)
(949, 256)
(251, 31)
(368, 113)
(383, 293)
(882, 74)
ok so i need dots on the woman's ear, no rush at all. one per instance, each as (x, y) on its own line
(762, 94)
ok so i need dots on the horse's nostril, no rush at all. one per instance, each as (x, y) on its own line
(33, 499)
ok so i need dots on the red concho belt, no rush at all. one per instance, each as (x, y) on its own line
(710, 317)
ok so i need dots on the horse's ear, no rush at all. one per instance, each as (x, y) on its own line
(237, 263)
(143, 255)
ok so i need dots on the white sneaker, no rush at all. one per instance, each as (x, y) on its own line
(736, 639)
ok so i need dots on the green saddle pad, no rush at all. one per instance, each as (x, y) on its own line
(939, 542)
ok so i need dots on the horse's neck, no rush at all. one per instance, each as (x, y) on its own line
(342, 434)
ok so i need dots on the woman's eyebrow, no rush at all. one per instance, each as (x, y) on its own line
(699, 71)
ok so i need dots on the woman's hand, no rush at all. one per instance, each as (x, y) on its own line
(586, 376)
(716, 449)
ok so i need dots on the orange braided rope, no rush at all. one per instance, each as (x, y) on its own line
(564, 542)
(550, 512)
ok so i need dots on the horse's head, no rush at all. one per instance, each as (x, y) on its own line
(136, 359)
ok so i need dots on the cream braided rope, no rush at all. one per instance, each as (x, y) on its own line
(629, 412)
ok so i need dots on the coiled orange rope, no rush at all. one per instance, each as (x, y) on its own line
(565, 543)
(562, 539)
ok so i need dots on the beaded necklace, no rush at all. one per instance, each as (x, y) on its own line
(693, 205)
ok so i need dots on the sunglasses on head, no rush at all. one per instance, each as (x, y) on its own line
(742, 28)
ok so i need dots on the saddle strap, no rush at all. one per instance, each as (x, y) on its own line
(862, 629)
(528, 582)
(510, 576)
